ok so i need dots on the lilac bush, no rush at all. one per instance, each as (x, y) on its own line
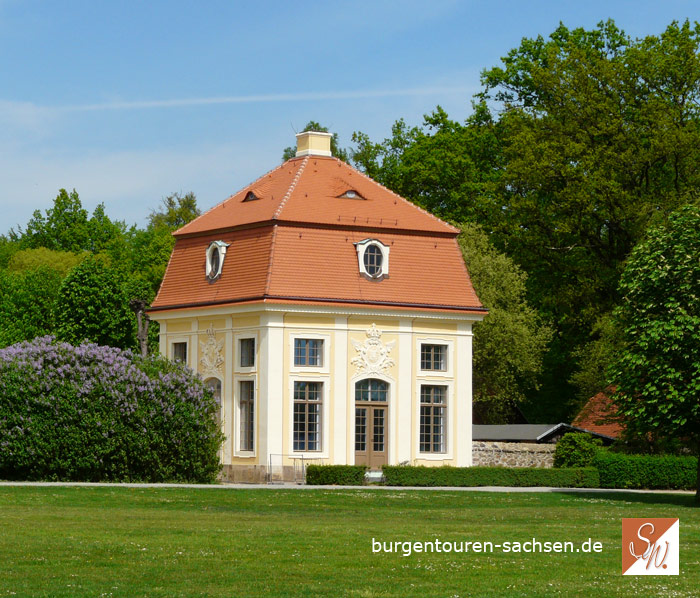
(97, 413)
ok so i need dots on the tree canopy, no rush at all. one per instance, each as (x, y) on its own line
(509, 344)
(658, 372)
(577, 143)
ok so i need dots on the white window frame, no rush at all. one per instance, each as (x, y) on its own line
(220, 247)
(181, 339)
(325, 417)
(324, 368)
(448, 372)
(449, 408)
(361, 248)
(237, 452)
(238, 368)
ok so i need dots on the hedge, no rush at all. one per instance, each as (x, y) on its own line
(340, 475)
(93, 413)
(646, 471)
(576, 449)
(402, 475)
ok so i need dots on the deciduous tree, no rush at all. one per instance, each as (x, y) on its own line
(658, 372)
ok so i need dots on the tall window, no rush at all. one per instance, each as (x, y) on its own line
(180, 352)
(433, 412)
(308, 351)
(247, 352)
(246, 406)
(307, 415)
(371, 390)
(433, 357)
(214, 384)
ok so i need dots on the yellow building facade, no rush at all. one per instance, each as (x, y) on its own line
(334, 324)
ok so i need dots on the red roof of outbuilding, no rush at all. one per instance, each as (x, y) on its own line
(295, 243)
(600, 415)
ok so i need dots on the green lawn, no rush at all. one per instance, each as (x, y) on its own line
(135, 542)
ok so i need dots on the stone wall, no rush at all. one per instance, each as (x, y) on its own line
(512, 454)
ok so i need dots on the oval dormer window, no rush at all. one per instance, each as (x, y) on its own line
(373, 258)
(351, 194)
(216, 252)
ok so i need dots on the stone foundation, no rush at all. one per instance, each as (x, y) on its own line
(512, 454)
(255, 474)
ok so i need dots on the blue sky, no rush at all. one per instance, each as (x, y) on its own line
(130, 101)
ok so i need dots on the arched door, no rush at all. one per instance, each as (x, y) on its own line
(371, 422)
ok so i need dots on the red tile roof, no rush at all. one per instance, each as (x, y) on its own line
(296, 244)
(600, 415)
(308, 190)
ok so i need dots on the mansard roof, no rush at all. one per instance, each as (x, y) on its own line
(292, 237)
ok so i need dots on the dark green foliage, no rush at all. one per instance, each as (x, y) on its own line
(401, 475)
(510, 343)
(576, 449)
(658, 372)
(92, 413)
(337, 475)
(176, 211)
(66, 227)
(27, 304)
(93, 305)
(645, 471)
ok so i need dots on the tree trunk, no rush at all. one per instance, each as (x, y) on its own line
(142, 320)
(697, 482)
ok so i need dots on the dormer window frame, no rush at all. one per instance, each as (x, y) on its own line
(215, 256)
(351, 194)
(367, 261)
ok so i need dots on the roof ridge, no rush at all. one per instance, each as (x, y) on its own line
(216, 205)
(410, 203)
(292, 186)
(266, 291)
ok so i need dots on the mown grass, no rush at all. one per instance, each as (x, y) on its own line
(170, 542)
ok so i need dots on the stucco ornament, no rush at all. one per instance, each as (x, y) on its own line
(372, 355)
(212, 353)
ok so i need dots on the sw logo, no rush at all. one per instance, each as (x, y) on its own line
(650, 546)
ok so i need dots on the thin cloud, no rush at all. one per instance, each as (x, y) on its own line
(264, 98)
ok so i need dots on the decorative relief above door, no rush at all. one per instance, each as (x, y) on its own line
(372, 355)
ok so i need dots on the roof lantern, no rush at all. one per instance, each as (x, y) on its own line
(314, 143)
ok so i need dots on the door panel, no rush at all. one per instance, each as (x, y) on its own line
(371, 435)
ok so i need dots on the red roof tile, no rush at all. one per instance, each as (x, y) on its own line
(308, 190)
(296, 243)
(600, 415)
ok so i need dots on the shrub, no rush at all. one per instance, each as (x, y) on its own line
(401, 475)
(93, 413)
(340, 475)
(576, 449)
(646, 471)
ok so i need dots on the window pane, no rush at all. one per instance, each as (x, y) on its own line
(308, 352)
(180, 352)
(307, 416)
(247, 352)
(373, 260)
(433, 357)
(214, 384)
(433, 417)
(371, 390)
(247, 415)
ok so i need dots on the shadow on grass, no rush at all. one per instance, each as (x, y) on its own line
(680, 500)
